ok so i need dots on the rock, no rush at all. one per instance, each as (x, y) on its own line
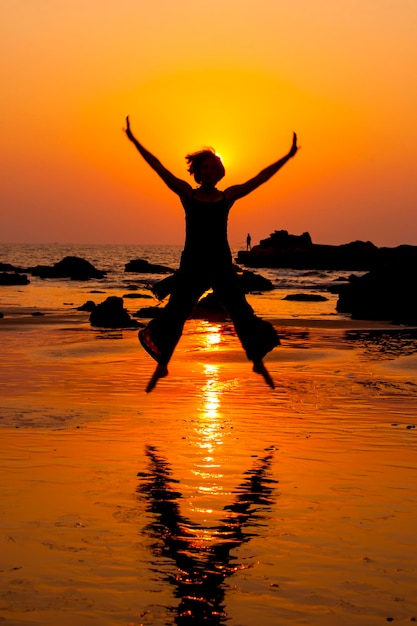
(136, 296)
(334, 287)
(251, 281)
(7, 278)
(141, 266)
(111, 314)
(385, 293)
(71, 267)
(149, 312)
(90, 305)
(281, 249)
(306, 297)
(7, 267)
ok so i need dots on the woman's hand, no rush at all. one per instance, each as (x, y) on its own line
(127, 130)
(294, 147)
(239, 191)
(178, 186)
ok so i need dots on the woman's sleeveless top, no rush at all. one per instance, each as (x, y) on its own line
(206, 232)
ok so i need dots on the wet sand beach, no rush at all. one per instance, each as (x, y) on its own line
(214, 497)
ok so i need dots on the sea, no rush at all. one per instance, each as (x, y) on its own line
(46, 295)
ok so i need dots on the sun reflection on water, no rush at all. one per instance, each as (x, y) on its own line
(209, 428)
(209, 436)
(212, 391)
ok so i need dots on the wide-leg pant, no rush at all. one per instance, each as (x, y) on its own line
(257, 336)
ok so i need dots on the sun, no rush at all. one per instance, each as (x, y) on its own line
(246, 117)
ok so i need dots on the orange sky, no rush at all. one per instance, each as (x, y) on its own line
(239, 76)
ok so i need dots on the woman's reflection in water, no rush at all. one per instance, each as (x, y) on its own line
(202, 566)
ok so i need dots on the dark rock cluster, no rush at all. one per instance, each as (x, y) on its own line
(13, 278)
(281, 249)
(111, 314)
(386, 292)
(71, 267)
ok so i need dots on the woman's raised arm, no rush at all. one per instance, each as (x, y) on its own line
(239, 191)
(177, 185)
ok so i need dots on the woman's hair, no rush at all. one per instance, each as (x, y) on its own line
(195, 160)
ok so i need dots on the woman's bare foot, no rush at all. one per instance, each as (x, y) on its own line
(259, 368)
(160, 372)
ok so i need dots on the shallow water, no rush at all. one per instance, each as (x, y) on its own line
(213, 497)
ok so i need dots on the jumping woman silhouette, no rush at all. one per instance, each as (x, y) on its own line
(206, 261)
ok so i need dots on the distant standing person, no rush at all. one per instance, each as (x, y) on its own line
(206, 260)
(248, 241)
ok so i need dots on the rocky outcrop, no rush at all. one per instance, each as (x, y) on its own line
(111, 314)
(7, 267)
(149, 312)
(142, 266)
(88, 306)
(281, 249)
(11, 278)
(251, 281)
(71, 267)
(385, 293)
(305, 297)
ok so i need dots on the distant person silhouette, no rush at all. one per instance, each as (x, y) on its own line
(206, 261)
(248, 242)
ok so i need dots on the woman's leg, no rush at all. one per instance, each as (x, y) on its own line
(162, 334)
(258, 337)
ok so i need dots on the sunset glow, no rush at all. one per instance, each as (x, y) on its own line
(240, 77)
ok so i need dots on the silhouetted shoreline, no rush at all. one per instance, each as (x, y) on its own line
(384, 293)
(284, 250)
